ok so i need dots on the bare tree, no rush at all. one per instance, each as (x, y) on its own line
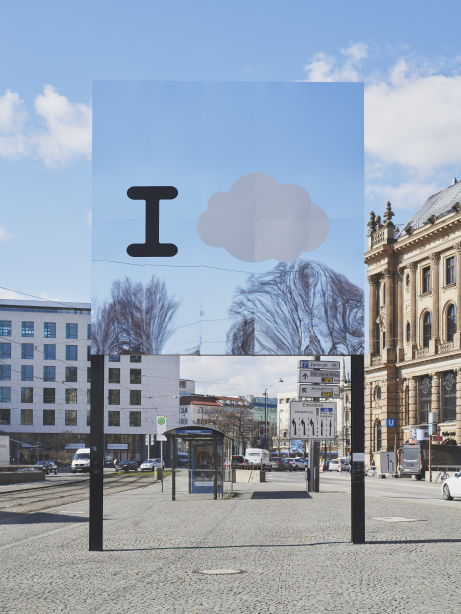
(105, 330)
(298, 308)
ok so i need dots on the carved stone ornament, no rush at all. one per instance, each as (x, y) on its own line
(432, 219)
(435, 257)
(411, 266)
(381, 319)
(372, 279)
(388, 272)
(456, 207)
(457, 247)
(389, 214)
(409, 230)
(372, 224)
(449, 381)
(426, 385)
(379, 226)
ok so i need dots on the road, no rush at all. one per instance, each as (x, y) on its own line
(400, 489)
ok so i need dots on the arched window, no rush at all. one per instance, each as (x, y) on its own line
(427, 330)
(378, 436)
(408, 332)
(451, 323)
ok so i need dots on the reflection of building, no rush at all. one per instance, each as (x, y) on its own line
(45, 374)
(283, 421)
(259, 409)
(343, 414)
(414, 361)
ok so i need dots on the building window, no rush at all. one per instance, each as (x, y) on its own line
(71, 352)
(182, 384)
(451, 270)
(88, 375)
(48, 417)
(184, 421)
(135, 418)
(427, 279)
(449, 397)
(114, 358)
(70, 396)
(135, 358)
(5, 394)
(71, 374)
(5, 350)
(425, 398)
(281, 401)
(49, 374)
(427, 328)
(377, 394)
(408, 332)
(5, 373)
(88, 417)
(114, 376)
(5, 328)
(114, 397)
(49, 330)
(27, 351)
(88, 353)
(49, 395)
(378, 437)
(27, 395)
(71, 331)
(71, 417)
(135, 397)
(451, 323)
(114, 418)
(135, 376)
(88, 332)
(27, 417)
(5, 416)
(49, 352)
(27, 329)
(407, 405)
(88, 396)
(27, 373)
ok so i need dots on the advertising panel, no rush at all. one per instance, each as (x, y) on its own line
(227, 218)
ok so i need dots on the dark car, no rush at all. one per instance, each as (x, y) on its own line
(48, 467)
(279, 464)
(127, 465)
(237, 460)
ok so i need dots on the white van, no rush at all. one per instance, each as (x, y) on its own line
(81, 461)
(256, 456)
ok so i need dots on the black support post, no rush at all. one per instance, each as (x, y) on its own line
(358, 449)
(215, 467)
(173, 470)
(96, 452)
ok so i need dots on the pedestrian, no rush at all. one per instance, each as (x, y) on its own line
(115, 464)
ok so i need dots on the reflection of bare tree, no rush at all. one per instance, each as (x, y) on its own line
(299, 308)
(138, 318)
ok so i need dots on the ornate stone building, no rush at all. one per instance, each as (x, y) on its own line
(413, 365)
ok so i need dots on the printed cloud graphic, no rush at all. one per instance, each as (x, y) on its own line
(259, 219)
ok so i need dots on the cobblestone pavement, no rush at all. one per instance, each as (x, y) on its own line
(294, 549)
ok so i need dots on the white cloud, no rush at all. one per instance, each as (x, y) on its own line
(11, 295)
(258, 219)
(44, 296)
(4, 234)
(89, 218)
(66, 134)
(322, 65)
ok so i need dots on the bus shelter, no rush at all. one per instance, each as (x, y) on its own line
(201, 461)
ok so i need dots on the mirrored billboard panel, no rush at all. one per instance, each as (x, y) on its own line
(227, 218)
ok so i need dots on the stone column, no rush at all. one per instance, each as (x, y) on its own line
(400, 320)
(458, 405)
(413, 409)
(412, 269)
(435, 261)
(436, 397)
(372, 313)
(389, 311)
(458, 291)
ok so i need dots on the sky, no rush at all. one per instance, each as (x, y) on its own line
(405, 53)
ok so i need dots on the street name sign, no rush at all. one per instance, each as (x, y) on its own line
(318, 391)
(309, 420)
(307, 376)
(437, 438)
(319, 364)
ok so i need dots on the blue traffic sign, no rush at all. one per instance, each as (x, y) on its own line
(390, 422)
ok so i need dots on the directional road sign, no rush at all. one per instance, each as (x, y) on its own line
(307, 376)
(321, 391)
(319, 364)
(309, 420)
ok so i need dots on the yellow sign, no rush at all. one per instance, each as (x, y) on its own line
(327, 380)
(327, 394)
(161, 420)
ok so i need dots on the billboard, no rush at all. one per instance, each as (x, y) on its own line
(227, 218)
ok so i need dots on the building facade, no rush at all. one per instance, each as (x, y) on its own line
(45, 384)
(413, 366)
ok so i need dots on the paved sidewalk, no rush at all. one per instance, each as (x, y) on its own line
(294, 549)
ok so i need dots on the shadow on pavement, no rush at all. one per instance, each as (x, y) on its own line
(281, 494)
(257, 546)
(40, 518)
(413, 541)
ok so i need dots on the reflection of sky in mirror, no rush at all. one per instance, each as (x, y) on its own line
(201, 138)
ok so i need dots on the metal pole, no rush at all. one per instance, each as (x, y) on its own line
(358, 450)
(215, 458)
(266, 438)
(96, 453)
(430, 457)
(173, 467)
(161, 459)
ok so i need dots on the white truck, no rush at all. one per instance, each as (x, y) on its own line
(4, 449)
(256, 456)
(81, 461)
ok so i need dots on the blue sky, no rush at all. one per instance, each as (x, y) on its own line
(406, 54)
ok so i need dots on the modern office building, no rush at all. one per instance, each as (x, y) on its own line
(45, 384)
(413, 365)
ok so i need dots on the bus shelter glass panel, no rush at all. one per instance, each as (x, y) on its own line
(227, 465)
(203, 467)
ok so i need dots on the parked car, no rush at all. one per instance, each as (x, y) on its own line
(299, 464)
(279, 464)
(237, 460)
(151, 463)
(127, 465)
(345, 464)
(335, 465)
(452, 487)
(48, 467)
(288, 464)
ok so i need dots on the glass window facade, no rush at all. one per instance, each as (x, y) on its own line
(70, 417)
(49, 374)
(88, 375)
(88, 417)
(49, 395)
(427, 330)
(70, 396)
(427, 279)
(5, 416)
(71, 374)
(5, 373)
(449, 396)
(27, 351)
(71, 352)
(49, 351)
(88, 331)
(48, 417)
(88, 396)
(5, 350)
(425, 398)
(27, 329)
(27, 395)
(135, 397)
(88, 353)
(27, 373)
(114, 358)
(114, 418)
(451, 323)
(135, 358)
(49, 330)
(135, 376)
(71, 331)
(135, 418)
(5, 328)
(114, 397)
(27, 417)
(450, 275)
(5, 394)
(114, 376)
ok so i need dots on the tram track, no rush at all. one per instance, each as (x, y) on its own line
(42, 498)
